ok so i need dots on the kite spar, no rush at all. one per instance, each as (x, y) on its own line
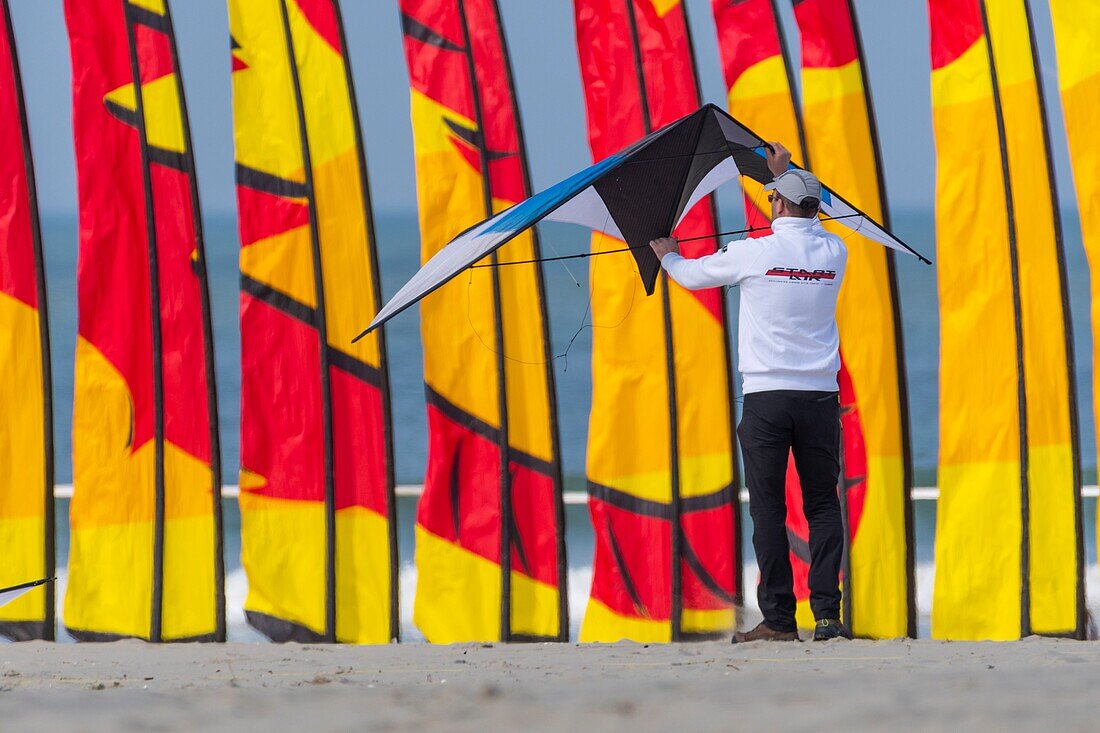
(7, 595)
(700, 151)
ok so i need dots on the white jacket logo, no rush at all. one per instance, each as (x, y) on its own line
(799, 274)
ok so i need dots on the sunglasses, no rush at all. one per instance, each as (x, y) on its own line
(771, 197)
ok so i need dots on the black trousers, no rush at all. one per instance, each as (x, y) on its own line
(774, 424)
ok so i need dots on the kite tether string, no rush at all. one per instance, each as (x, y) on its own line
(588, 305)
(584, 255)
(584, 317)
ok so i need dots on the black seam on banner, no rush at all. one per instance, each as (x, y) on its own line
(670, 365)
(704, 575)
(704, 635)
(517, 542)
(163, 156)
(454, 492)
(899, 342)
(413, 28)
(475, 139)
(483, 429)
(149, 19)
(322, 334)
(554, 467)
(101, 636)
(361, 370)
(279, 300)
(1081, 616)
(628, 502)
(120, 112)
(198, 266)
(24, 630)
(788, 67)
(280, 630)
(502, 376)
(269, 183)
(380, 339)
(624, 572)
(706, 502)
(157, 611)
(1021, 393)
(532, 639)
(727, 355)
(170, 159)
(656, 509)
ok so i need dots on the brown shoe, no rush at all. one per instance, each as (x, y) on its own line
(763, 632)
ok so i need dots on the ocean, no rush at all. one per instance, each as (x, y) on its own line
(566, 284)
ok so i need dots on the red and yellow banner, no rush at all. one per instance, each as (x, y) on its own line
(1076, 28)
(26, 430)
(1008, 532)
(842, 147)
(145, 547)
(318, 540)
(490, 550)
(662, 472)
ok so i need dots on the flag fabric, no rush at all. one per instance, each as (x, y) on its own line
(145, 556)
(318, 536)
(490, 546)
(665, 511)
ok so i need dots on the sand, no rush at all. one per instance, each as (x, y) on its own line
(862, 685)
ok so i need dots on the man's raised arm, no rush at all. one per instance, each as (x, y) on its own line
(726, 267)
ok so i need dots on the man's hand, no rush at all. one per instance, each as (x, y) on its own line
(664, 245)
(778, 158)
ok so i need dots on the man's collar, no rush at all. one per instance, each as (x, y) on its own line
(795, 223)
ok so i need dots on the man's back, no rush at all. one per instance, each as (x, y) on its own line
(787, 334)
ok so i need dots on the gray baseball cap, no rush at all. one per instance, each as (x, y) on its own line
(796, 186)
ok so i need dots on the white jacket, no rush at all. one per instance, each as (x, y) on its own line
(787, 336)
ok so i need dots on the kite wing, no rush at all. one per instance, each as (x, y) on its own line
(7, 595)
(636, 195)
(491, 234)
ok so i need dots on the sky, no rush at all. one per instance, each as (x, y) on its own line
(540, 36)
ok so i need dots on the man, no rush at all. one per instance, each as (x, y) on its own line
(788, 355)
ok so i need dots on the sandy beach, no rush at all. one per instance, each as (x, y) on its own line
(888, 685)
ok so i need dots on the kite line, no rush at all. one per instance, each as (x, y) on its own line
(583, 255)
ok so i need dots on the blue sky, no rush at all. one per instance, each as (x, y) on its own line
(540, 34)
